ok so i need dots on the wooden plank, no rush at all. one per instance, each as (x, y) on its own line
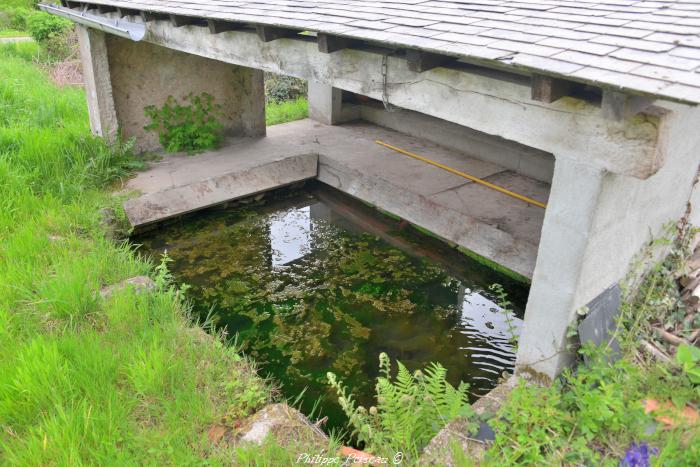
(270, 33)
(328, 43)
(422, 61)
(620, 106)
(547, 89)
(217, 27)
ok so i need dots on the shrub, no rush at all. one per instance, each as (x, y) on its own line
(14, 18)
(188, 128)
(43, 26)
(280, 88)
(409, 412)
(55, 35)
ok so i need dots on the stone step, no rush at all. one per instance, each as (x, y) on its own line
(219, 188)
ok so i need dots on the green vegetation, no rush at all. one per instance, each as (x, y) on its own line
(286, 111)
(192, 128)
(11, 33)
(123, 380)
(43, 27)
(281, 88)
(409, 411)
(55, 35)
(594, 415)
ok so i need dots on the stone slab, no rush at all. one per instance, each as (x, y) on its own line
(234, 184)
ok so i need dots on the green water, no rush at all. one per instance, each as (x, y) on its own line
(317, 282)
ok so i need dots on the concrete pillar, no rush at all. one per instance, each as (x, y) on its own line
(556, 294)
(98, 86)
(145, 74)
(325, 103)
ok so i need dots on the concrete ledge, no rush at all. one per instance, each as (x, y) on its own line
(455, 434)
(450, 224)
(178, 200)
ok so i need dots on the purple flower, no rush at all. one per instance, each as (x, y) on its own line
(638, 455)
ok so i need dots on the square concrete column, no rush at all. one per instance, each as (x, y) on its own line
(325, 103)
(144, 74)
(555, 294)
(98, 85)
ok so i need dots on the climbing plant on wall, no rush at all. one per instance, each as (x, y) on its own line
(181, 127)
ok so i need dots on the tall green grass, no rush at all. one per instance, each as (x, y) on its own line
(286, 111)
(87, 380)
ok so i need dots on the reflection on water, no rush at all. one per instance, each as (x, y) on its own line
(290, 235)
(317, 283)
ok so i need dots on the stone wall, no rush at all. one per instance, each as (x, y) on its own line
(145, 74)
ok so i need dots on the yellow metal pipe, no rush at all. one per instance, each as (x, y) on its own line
(465, 175)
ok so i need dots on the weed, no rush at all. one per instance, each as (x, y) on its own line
(688, 357)
(507, 310)
(409, 411)
(190, 128)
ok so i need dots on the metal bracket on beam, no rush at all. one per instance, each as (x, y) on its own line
(620, 106)
(547, 89)
(270, 33)
(423, 61)
(217, 27)
(328, 43)
(118, 27)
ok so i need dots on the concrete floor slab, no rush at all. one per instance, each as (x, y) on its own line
(489, 223)
(516, 218)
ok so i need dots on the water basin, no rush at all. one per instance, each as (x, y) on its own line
(316, 281)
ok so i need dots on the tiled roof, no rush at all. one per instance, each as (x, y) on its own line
(648, 47)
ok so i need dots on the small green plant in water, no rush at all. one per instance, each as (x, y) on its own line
(409, 412)
(190, 128)
(507, 310)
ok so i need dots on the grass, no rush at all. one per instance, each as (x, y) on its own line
(19, 3)
(86, 380)
(12, 33)
(287, 111)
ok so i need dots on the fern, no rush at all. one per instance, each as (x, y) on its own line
(409, 411)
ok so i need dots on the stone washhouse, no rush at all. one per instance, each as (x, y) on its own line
(589, 107)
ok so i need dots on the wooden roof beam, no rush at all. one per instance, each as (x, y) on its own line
(217, 27)
(547, 89)
(152, 16)
(423, 61)
(127, 12)
(328, 43)
(179, 21)
(106, 8)
(271, 33)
